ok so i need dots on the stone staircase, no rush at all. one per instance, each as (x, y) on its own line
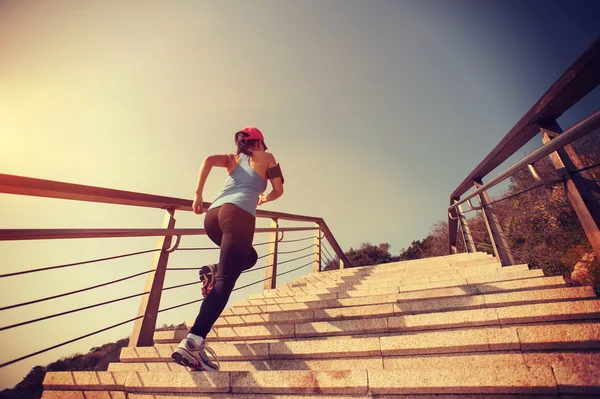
(452, 326)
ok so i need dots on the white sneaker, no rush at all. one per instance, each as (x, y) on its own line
(190, 354)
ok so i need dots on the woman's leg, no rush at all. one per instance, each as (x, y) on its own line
(237, 227)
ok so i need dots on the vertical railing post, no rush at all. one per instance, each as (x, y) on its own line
(271, 270)
(582, 190)
(466, 232)
(317, 250)
(499, 242)
(334, 244)
(143, 329)
(452, 227)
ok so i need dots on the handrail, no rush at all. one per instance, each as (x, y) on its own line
(577, 131)
(11, 184)
(41, 234)
(21, 185)
(581, 78)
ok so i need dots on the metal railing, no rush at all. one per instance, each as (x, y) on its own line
(168, 242)
(580, 79)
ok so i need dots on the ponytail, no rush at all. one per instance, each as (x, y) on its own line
(243, 145)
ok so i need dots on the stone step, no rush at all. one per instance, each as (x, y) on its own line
(511, 372)
(388, 280)
(123, 395)
(260, 299)
(331, 301)
(531, 313)
(409, 307)
(381, 272)
(463, 260)
(483, 339)
(388, 268)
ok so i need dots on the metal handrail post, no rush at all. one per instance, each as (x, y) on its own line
(466, 232)
(495, 232)
(271, 269)
(317, 250)
(582, 190)
(452, 227)
(143, 329)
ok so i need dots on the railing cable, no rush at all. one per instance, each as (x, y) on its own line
(586, 168)
(68, 342)
(197, 249)
(76, 291)
(77, 263)
(72, 311)
(301, 239)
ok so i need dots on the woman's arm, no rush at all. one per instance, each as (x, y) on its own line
(276, 182)
(208, 163)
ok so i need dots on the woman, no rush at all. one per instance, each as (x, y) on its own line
(229, 223)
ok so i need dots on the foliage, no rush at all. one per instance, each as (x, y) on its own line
(97, 359)
(172, 327)
(540, 227)
(367, 254)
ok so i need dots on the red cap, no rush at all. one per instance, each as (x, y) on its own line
(253, 133)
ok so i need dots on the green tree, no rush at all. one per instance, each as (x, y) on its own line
(367, 254)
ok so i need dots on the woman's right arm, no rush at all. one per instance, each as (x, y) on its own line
(208, 163)
(276, 182)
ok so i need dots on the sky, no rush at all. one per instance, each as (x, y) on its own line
(376, 112)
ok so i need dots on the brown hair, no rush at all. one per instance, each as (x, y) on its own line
(243, 145)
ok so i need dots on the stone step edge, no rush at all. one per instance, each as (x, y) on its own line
(392, 280)
(387, 268)
(460, 258)
(471, 340)
(474, 289)
(312, 279)
(503, 316)
(481, 301)
(535, 379)
(405, 288)
(400, 297)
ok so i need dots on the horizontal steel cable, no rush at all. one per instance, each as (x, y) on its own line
(298, 250)
(77, 263)
(181, 305)
(76, 291)
(263, 243)
(327, 258)
(297, 268)
(519, 193)
(197, 249)
(130, 320)
(301, 239)
(557, 233)
(535, 212)
(253, 269)
(72, 311)
(586, 168)
(181, 285)
(68, 342)
(329, 253)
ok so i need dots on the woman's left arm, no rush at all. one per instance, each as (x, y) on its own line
(208, 163)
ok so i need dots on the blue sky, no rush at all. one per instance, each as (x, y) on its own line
(375, 110)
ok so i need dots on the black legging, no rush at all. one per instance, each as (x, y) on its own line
(232, 229)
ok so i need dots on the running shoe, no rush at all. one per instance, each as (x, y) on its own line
(207, 276)
(190, 354)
